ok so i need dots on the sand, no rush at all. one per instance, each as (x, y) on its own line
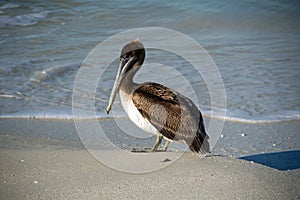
(75, 174)
(48, 162)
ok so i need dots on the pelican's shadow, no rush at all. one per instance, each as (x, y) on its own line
(285, 160)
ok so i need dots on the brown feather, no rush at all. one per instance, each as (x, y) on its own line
(174, 115)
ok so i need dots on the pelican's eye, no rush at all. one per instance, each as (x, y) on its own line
(126, 58)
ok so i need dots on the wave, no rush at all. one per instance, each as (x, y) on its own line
(284, 116)
(9, 6)
(7, 18)
(52, 72)
(287, 117)
(259, 120)
(22, 20)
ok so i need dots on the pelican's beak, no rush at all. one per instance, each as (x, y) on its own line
(124, 67)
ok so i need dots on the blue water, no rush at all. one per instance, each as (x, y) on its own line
(256, 46)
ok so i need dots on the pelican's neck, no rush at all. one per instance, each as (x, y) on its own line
(128, 85)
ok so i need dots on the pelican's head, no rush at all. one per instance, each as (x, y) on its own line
(132, 57)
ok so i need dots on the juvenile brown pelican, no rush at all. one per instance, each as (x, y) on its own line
(156, 108)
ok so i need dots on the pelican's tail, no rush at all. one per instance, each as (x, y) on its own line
(200, 142)
(200, 145)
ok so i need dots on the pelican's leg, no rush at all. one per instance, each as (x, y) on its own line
(157, 142)
(166, 145)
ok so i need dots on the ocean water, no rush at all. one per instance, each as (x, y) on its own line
(256, 46)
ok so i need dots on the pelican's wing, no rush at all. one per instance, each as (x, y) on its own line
(174, 115)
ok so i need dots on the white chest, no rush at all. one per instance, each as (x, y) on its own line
(134, 115)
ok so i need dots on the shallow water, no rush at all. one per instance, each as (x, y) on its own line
(255, 45)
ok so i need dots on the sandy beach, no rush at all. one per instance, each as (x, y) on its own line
(74, 174)
(44, 159)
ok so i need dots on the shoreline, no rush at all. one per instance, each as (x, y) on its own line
(226, 118)
(236, 139)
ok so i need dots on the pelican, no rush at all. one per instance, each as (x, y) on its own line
(155, 108)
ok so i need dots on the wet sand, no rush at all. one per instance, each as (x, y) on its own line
(44, 159)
